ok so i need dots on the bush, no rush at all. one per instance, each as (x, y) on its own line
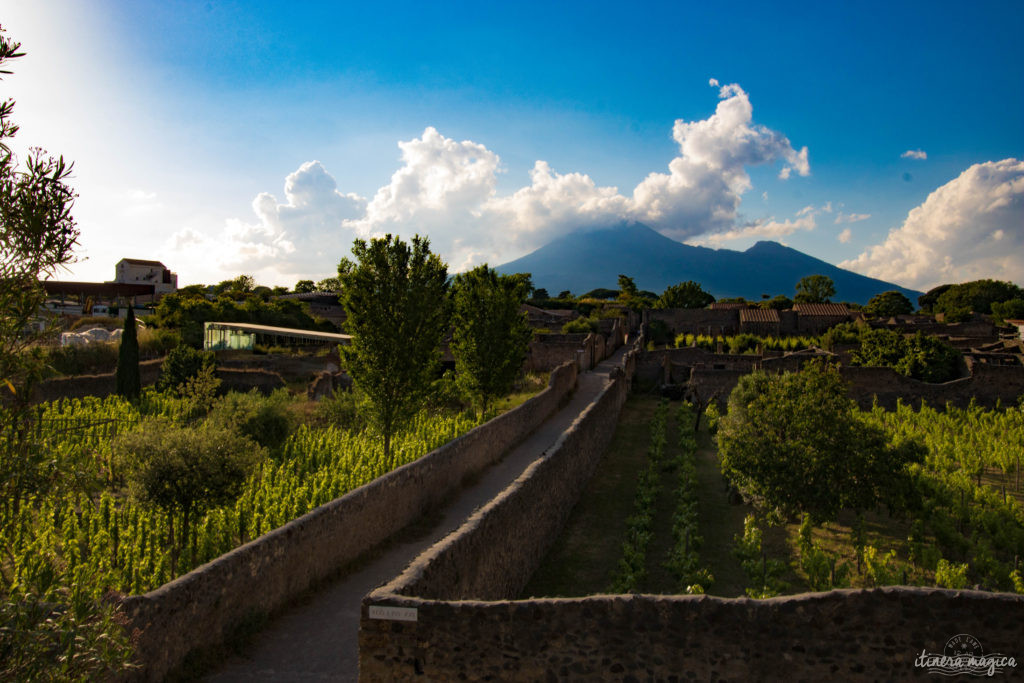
(580, 325)
(182, 364)
(343, 409)
(264, 419)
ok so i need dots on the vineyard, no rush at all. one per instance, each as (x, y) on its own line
(88, 532)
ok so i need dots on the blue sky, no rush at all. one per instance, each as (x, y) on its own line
(185, 119)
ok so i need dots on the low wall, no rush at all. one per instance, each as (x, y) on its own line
(491, 556)
(201, 607)
(102, 385)
(986, 385)
(548, 351)
(849, 635)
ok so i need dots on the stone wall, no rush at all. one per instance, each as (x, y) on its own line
(548, 351)
(848, 635)
(201, 607)
(492, 555)
(696, 320)
(80, 386)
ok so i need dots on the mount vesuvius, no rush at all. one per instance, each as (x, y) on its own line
(586, 260)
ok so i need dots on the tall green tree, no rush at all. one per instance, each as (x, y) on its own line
(687, 294)
(395, 297)
(129, 383)
(976, 296)
(815, 289)
(889, 304)
(491, 334)
(793, 443)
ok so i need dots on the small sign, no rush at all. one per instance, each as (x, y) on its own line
(393, 613)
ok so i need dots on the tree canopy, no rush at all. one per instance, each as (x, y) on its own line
(976, 296)
(815, 289)
(889, 304)
(921, 356)
(395, 296)
(687, 294)
(793, 443)
(491, 334)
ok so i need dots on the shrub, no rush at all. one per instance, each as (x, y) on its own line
(264, 419)
(182, 364)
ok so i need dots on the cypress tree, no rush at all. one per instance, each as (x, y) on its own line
(129, 383)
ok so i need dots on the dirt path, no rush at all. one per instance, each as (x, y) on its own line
(318, 639)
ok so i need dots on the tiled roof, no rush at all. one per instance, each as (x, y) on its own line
(759, 315)
(822, 310)
(726, 306)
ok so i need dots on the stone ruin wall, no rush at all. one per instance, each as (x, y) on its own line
(468, 626)
(202, 607)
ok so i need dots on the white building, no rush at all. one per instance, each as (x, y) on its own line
(139, 271)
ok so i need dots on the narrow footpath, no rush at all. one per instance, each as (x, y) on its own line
(317, 640)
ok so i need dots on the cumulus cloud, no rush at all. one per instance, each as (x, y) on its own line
(446, 189)
(851, 217)
(844, 236)
(763, 229)
(972, 227)
(915, 154)
(304, 234)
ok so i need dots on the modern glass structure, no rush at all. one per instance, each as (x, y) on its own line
(244, 336)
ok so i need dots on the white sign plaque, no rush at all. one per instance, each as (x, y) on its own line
(393, 613)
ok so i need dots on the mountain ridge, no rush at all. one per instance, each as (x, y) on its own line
(588, 259)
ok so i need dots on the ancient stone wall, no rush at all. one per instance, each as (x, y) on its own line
(496, 550)
(848, 635)
(697, 320)
(80, 386)
(548, 351)
(201, 607)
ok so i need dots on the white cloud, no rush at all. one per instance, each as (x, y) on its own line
(844, 236)
(763, 229)
(972, 227)
(446, 189)
(301, 236)
(915, 154)
(851, 217)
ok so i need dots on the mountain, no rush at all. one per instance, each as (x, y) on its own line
(586, 260)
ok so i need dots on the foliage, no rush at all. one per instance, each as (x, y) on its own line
(186, 470)
(687, 294)
(888, 304)
(129, 382)
(927, 300)
(920, 356)
(659, 332)
(601, 293)
(395, 299)
(780, 302)
(745, 343)
(182, 364)
(304, 287)
(186, 311)
(1008, 310)
(842, 334)
(684, 556)
(951, 575)
(792, 443)
(265, 420)
(491, 334)
(814, 289)
(49, 631)
(581, 326)
(976, 296)
(763, 574)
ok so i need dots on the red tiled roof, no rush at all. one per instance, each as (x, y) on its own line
(726, 306)
(822, 310)
(759, 315)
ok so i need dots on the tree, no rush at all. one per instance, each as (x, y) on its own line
(601, 293)
(627, 288)
(1008, 310)
(780, 302)
(927, 300)
(889, 304)
(53, 632)
(565, 294)
(186, 470)
(182, 364)
(395, 297)
(976, 296)
(304, 287)
(329, 284)
(814, 289)
(793, 443)
(129, 383)
(491, 333)
(540, 293)
(687, 294)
